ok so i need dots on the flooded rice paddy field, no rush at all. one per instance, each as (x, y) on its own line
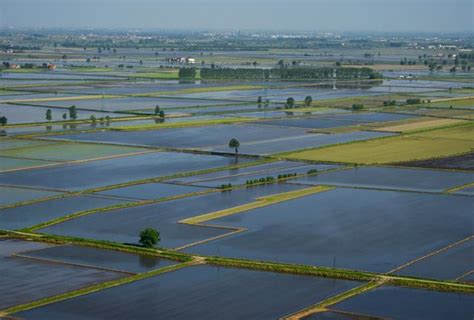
(63, 152)
(34, 213)
(188, 137)
(312, 140)
(410, 304)
(353, 226)
(13, 195)
(241, 179)
(124, 225)
(9, 164)
(394, 178)
(131, 103)
(375, 219)
(25, 280)
(150, 191)
(260, 168)
(98, 173)
(254, 139)
(217, 292)
(20, 114)
(336, 120)
(447, 265)
(99, 258)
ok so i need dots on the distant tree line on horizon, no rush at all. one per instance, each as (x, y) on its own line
(288, 73)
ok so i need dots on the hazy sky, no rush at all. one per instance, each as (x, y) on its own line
(310, 15)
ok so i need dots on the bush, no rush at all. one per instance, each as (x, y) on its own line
(414, 101)
(357, 106)
(226, 186)
(187, 73)
(388, 103)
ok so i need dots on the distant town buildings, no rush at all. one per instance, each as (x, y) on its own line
(187, 60)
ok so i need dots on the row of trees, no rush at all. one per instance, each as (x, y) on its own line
(287, 73)
(187, 73)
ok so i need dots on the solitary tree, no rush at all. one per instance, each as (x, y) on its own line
(93, 118)
(157, 109)
(3, 120)
(290, 102)
(259, 100)
(49, 115)
(308, 100)
(64, 116)
(234, 144)
(161, 114)
(149, 237)
(72, 112)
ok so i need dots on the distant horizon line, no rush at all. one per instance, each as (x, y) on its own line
(234, 30)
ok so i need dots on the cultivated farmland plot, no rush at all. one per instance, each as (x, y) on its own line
(392, 178)
(310, 140)
(99, 258)
(448, 265)
(241, 179)
(192, 137)
(123, 225)
(31, 214)
(261, 168)
(9, 164)
(150, 191)
(353, 228)
(24, 280)
(20, 114)
(93, 174)
(217, 292)
(130, 103)
(352, 200)
(13, 195)
(411, 304)
(338, 120)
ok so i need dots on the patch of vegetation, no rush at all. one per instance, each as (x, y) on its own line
(149, 238)
(414, 146)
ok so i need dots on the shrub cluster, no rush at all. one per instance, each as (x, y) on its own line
(388, 103)
(226, 186)
(413, 101)
(357, 106)
(288, 175)
(261, 180)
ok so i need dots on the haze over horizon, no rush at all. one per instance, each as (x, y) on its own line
(296, 15)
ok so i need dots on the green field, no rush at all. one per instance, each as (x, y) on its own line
(455, 103)
(65, 151)
(7, 143)
(14, 163)
(417, 146)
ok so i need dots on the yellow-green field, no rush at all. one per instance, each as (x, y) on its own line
(417, 146)
(456, 103)
(427, 123)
